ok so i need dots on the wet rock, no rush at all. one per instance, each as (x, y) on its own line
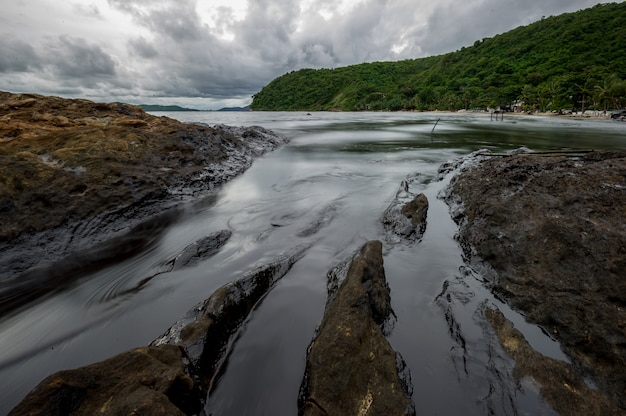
(51, 278)
(149, 381)
(416, 211)
(551, 228)
(552, 375)
(351, 369)
(201, 249)
(171, 376)
(323, 219)
(205, 331)
(406, 215)
(77, 173)
(190, 256)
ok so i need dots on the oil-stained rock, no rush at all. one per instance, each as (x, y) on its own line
(405, 218)
(206, 329)
(81, 181)
(552, 228)
(351, 369)
(143, 381)
(171, 376)
(561, 385)
(190, 256)
(201, 249)
(416, 211)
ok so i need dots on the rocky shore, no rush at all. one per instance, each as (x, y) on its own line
(351, 367)
(177, 163)
(546, 230)
(92, 183)
(549, 230)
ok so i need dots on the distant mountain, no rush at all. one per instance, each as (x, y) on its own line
(571, 61)
(246, 108)
(154, 107)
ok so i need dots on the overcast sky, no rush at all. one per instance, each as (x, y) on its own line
(208, 54)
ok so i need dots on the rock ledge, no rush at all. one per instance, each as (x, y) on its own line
(552, 230)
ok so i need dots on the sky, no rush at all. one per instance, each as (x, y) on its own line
(209, 54)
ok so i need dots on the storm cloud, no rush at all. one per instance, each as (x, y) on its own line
(208, 54)
(17, 55)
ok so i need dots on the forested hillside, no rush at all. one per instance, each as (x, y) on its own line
(571, 61)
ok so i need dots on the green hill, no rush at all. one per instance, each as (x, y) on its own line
(574, 60)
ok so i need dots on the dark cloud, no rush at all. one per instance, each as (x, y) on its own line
(133, 7)
(174, 51)
(17, 55)
(75, 58)
(188, 59)
(142, 48)
(179, 22)
(268, 29)
(478, 19)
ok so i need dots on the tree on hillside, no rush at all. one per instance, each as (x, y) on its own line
(576, 60)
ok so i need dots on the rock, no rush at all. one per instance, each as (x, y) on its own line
(149, 381)
(190, 256)
(351, 369)
(173, 375)
(76, 174)
(39, 281)
(552, 229)
(552, 375)
(201, 249)
(416, 211)
(323, 219)
(405, 218)
(205, 331)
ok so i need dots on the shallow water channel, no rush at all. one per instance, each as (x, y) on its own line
(340, 171)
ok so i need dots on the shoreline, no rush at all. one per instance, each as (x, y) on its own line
(585, 116)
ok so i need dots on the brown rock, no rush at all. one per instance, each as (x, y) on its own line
(416, 211)
(148, 381)
(206, 330)
(351, 369)
(561, 385)
(76, 175)
(48, 145)
(406, 218)
(173, 375)
(553, 229)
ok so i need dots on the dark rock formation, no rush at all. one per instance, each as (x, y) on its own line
(551, 227)
(205, 331)
(89, 183)
(190, 256)
(351, 369)
(201, 249)
(576, 399)
(416, 211)
(405, 218)
(173, 375)
(323, 219)
(144, 381)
